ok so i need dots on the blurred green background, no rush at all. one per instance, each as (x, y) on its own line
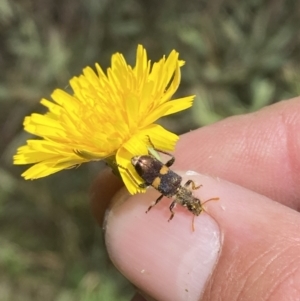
(240, 56)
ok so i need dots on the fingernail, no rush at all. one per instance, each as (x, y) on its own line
(166, 260)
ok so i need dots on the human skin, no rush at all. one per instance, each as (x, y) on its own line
(246, 246)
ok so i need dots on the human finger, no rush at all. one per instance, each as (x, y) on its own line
(247, 248)
(259, 151)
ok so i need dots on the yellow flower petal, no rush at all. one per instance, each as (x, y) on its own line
(109, 115)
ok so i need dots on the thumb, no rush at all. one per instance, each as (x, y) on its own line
(246, 248)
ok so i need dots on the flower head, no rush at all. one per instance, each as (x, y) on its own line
(108, 117)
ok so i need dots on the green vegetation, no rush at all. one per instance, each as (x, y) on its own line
(240, 56)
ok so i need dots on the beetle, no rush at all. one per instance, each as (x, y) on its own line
(159, 175)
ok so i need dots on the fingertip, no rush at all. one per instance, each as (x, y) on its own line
(166, 260)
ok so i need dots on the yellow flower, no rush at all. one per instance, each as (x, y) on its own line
(108, 117)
